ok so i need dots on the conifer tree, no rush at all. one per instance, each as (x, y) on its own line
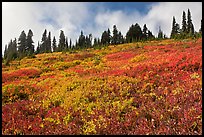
(29, 44)
(38, 48)
(190, 27)
(160, 34)
(184, 24)
(44, 42)
(70, 44)
(200, 30)
(14, 49)
(173, 31)
(62, 44)
(66, 44)
(150, 35)
(115, 38)
(104, 38)
(22, 45)
(48, 43)
(134, 33)
(144, 32)
(120, 38)
(95, 42)
(82, 39)
(5, 52)
(54, 45)
(109, 36)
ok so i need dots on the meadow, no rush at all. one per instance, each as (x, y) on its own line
(143, 88)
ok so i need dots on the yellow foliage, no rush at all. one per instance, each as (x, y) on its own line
(89, 128)
(138, 58)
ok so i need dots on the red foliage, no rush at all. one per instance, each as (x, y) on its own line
(25, 72)
(83, 56)
(120, 56)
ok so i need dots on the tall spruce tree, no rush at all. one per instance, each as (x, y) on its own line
(22, 45)
(29, 45)
(173, 31)
(5, 52)
(115, 38)
(109, 36)
(160, 34)
(44, 42)
(48, 43)
(81, 41)
(70, 43)
(105, 38)
(54, 45)
(66, 44)
(38, 48)
(62, 44)
(120, 38)
(134, 33)
(95, 42)
(184, 24)
(144, 32)
(14, 49)
(150, 36)
(200, 30)
(190, 27)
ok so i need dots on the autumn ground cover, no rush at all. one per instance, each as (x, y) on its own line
(137, 88)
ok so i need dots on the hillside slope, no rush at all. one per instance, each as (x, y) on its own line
(137, 88)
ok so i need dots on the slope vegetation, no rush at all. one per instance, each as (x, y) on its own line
(137, 88)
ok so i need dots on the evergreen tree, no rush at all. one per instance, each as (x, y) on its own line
(82, 40)
(29, 45)
(11, 51)
(86, 42)
(66, 44)
(48, 43)
(98, 42)
(150, 35)
(54, 45)
(190, 27)
(44, 42)
(134, 33)
(22, 45)
(109, 36)
(38, 48)
(14, 49)
(160, 34)
(115, 38)
(76, 45)
(184, 24)
(200, 27)
(95, 42)
(90, 40)
(105, 38)
(70, 44)
(5, 52)
(120, 38)
(62, 43)
(145, 32)
(177, 29)
(173, 31)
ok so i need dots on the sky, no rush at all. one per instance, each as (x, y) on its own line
(91, 17)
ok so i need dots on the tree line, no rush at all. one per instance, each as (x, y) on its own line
(25, 48)
(187, 28)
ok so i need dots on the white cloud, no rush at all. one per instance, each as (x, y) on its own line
(161, 14)
(119, 18)
(74, 17)
(19, 16)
